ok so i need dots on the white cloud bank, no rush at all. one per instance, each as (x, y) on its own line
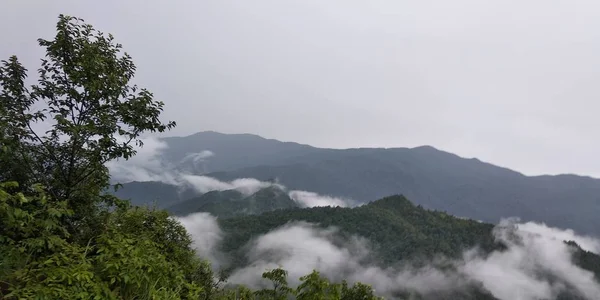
(147, 165)
(198, 157)
(204, 184)
(249, 186)
(310, 199)
(513, 274)
(206, 235)
(585, 242)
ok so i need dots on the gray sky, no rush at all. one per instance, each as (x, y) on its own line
(512, 82)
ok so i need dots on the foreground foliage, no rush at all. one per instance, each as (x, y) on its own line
(61, 235)
(139, 253)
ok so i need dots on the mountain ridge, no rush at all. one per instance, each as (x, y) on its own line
(430, 177)
(421, 147)
(231, 203)
(401, 234)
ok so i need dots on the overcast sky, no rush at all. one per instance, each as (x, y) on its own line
(515, 83)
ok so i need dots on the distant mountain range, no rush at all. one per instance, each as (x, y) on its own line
(432, 178)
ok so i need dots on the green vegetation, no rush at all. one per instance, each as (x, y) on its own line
(157, 194)
(312, 286)
(231, 203)
(61, 236)
(400, 232)
(214, 202)
(138, 253)
(398, 229)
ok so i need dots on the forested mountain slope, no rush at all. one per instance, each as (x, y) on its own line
(399, 233)
(231, 203)
(440, 180)
(153, 193)
(399, 229)
(429, 177)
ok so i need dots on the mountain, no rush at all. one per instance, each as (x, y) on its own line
(231, 151)
(430, 177)
(230, 203)
(153, 193)
(443, 181)
(213, 202)
(400, 232)
(399, 229)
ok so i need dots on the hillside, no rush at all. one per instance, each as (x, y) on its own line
(231, 203)
(232, 151)
(153, 193)
(430, 177)
(443, 181)
(399, 233)
(399, 229)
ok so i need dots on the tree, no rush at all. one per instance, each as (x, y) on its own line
(61, 236)
(94, 116)
(280, 290)
(359, 291)
(140, 253)
(36, 260)
(315, 287)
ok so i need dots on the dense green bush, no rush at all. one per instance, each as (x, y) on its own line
(139, 253)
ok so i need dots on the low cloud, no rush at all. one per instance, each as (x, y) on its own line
(146, 165)
(198, 157)
(195, 163)
(301, 247)
(585, 242)
(534, 266)
(310, 199)
(206, 235)
(204, 184)
(298, 248)
(249, 186)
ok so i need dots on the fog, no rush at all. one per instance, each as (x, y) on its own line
(513, 274)
(310, 199)
(148, 165)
